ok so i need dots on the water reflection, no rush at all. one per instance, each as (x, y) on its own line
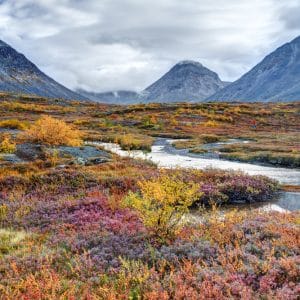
(283, 202)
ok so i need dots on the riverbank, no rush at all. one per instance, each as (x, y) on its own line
(165, 155)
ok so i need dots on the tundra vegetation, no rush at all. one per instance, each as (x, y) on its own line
(51, 131)
(6, 144)
(120, 229)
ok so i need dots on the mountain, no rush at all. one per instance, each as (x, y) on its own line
(19, 75)
(187, 81)
(275, 78)
(116, 97)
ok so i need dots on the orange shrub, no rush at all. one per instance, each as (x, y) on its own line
(51, 131)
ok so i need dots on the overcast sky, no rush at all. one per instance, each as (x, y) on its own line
(103, 45)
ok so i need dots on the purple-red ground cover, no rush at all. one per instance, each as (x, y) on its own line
(66, 235)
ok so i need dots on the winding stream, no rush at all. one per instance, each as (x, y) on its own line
(166, 156)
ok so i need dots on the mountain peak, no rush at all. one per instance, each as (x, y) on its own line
(20, 75)
(189, 62)
(275, 78)
(186, 81)
(189, 67)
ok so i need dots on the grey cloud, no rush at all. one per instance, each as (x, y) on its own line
(127, 44)
(291, 16)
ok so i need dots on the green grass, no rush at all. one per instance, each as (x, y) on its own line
(277, 159)
(11, 241)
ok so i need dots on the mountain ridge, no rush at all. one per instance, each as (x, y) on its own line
(19, 75)
(275, 78)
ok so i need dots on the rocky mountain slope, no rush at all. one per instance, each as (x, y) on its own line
(19, 75)
(187, 81)
(275, 78)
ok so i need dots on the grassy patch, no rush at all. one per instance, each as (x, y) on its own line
(195, 144)
(14, 124)
(276, 159)
(130, 141)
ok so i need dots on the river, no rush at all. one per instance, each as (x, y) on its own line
(166, 156)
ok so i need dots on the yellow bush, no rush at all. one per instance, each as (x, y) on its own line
(211, 124)
(51, 131)
(6, 145)
(3, 212)
(162, 202)
(13, 124)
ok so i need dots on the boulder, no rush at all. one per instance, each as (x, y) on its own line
(31, 152)
(86, 155)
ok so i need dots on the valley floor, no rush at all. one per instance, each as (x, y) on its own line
(79, 222)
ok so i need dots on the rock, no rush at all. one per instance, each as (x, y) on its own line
(13, 132)
(12, 158)
(86, 155)
(80, 161)
(84, 152)
(31, 152)
(97, 160)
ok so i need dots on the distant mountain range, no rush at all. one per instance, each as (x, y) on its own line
(187, 81)
(19, 75)
(275, 78)
(116, 97)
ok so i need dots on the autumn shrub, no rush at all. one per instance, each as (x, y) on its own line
(236, 187)
(211, 123)
(52, 158)
(85, 213)
(16, 106)
(221, 118)
(134, 142)
(210, 138)
(6, 144)
(33, 106)
(51, 131)
(71, 244)
(56, 182)
(13, 124)
(162, 202)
